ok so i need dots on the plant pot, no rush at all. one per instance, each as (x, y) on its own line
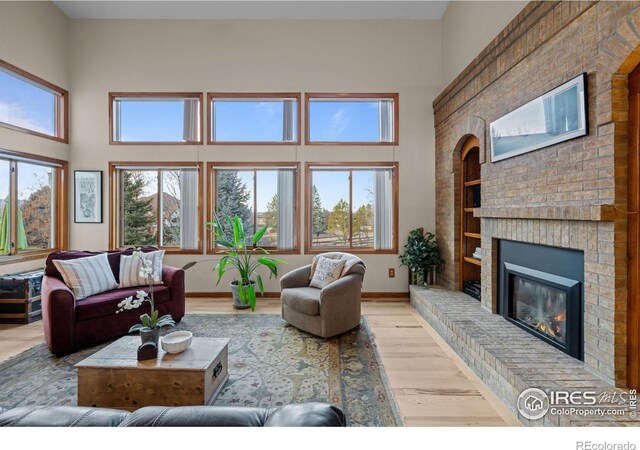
(150, 336)
(432, 274)
(417, 277)
(237, 301)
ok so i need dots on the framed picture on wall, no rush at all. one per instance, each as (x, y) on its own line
(87, 186)
(557, 116)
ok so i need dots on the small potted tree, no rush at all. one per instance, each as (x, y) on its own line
(245, 260)
(421, 252)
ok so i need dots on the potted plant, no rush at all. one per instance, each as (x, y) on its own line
(243, 259)
(150, 325)
(420, 252)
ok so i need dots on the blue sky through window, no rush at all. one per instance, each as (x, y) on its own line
(251, 121)
(333, 185)
(25, 105)
(152, 121)
(344, 121)
(31, 178)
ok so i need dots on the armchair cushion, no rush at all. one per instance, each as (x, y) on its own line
(305, 300)
(351, 263)
(327, 271)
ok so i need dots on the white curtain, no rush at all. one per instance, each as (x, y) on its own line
(191, 122)
(288, 122)
(116, 120)
(286, 208)
(189, 209)
(383, 208)
(385, 119)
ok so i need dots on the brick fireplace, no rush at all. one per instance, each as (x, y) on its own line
(570, 196)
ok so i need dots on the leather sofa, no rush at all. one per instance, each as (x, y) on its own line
(70, 325)
(296, 415)
(324, 312)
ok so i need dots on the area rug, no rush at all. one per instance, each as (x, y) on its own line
(271, 363)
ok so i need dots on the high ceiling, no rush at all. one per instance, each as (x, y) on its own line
(265, 9)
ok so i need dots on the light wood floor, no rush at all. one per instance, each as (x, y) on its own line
(431, 385)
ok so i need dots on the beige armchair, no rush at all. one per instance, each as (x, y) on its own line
(323, 312)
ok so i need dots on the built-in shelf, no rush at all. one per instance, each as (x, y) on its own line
(474, 261)
(470, 236)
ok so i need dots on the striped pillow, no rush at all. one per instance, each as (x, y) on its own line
(87, 276)
(130, 266)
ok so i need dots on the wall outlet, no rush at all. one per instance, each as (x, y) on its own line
(392, 272)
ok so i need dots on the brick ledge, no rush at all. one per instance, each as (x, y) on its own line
(506, 358)
(592, 213)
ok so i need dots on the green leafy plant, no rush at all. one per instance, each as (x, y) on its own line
(241, 258)
(148, 322)
(420, 251)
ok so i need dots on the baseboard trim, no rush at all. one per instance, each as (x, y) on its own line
(385, 295)
(366, 296)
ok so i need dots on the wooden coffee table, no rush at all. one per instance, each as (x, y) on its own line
(114, 378)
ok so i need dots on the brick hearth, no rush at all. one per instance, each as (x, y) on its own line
(506, 358)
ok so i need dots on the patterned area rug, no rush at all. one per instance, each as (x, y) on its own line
(271, 363)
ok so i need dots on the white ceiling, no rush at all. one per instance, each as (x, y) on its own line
(261, 9)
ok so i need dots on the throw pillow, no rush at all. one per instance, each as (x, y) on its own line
(327, 271)
(130, 266)
(87, 276)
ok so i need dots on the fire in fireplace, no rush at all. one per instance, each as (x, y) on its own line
(540, 307)
(541, 292)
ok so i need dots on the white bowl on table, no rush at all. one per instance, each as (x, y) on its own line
(176, 342)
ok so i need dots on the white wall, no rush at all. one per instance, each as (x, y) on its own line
(468, 27)
(261, 56)
(33, 37)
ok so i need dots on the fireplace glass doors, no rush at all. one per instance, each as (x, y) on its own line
(540, 307)
(541, 291)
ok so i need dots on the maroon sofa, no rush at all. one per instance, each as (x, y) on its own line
(70, 325)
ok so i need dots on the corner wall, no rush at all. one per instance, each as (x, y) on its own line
(467, 28)
(33, 37)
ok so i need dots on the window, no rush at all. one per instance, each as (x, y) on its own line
(157, 204)
(352, 119)
(352, 207)
(155, 118)
(32, 105)
(260, 195)
(32, 206)
(254, 118)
